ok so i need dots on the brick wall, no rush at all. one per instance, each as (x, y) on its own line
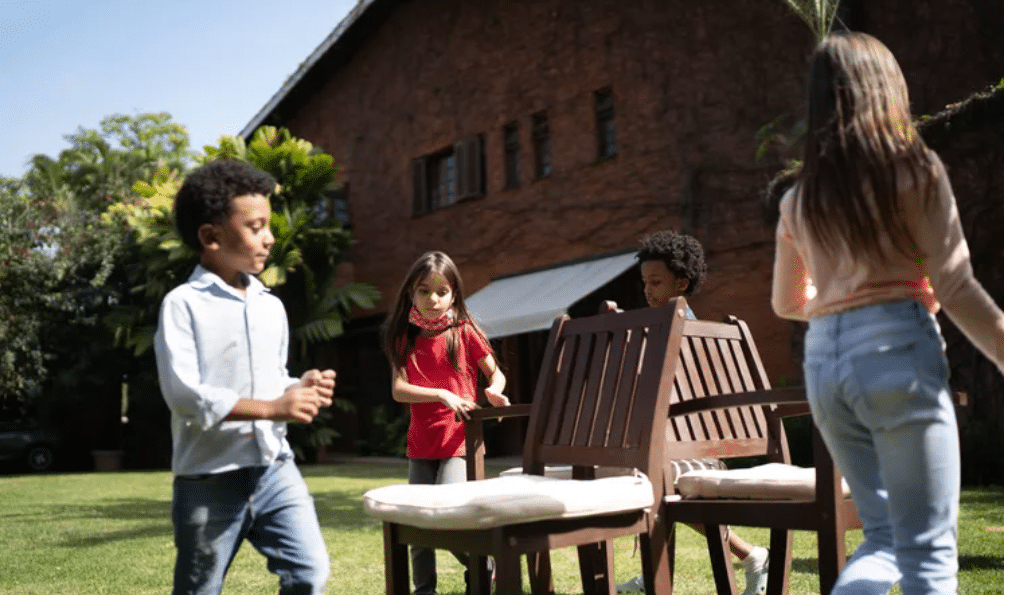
(692, 84)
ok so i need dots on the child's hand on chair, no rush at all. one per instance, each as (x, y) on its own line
(496, 399)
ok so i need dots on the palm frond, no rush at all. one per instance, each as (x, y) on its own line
(819, 15)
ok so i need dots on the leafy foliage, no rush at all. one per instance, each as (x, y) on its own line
(63, 263)
(819, 15)
(310, 243)
(88, 250)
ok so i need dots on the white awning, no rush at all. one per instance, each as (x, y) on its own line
(531, 301)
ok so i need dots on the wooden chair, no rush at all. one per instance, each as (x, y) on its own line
(725, 407)
(601, 399)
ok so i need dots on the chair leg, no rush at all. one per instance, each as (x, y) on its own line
(508, 572)
(479, 575)
(780, 561)
(541, 578)
(396, 556)
(671, 555)
(830, 556)
(657, 560)
(596, 566)
(722, 563)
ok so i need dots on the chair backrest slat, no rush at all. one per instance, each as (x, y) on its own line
(718, 358)
(624, 396)
(594, 387)
(559, 387)
(603, 390)
(608, 391)
(576, 396)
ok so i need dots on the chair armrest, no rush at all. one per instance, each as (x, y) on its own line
(483, 413)
(793, 401)
(788, 402)
(474, 428)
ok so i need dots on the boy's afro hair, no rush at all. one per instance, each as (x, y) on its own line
(682, 254)
(207, 192)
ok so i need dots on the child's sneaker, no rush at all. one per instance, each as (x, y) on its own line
(755, 568)
(635, 585)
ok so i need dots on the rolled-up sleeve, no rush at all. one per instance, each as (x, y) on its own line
(179, 369)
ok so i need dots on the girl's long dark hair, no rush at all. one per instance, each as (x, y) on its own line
(399, 336)
(860, 138)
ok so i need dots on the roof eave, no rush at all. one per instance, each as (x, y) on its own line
(296, 80)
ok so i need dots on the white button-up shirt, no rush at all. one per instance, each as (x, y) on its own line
(214, 346)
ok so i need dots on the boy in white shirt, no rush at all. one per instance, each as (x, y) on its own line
(222, 348)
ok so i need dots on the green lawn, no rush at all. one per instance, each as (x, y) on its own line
(110, 533)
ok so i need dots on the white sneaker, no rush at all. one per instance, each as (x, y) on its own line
(755, 568)
(635, 585)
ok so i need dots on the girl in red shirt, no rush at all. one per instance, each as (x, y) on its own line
(436, 350)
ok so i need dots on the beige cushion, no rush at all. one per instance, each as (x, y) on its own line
(506, 500)
(677, 467)
(774, 481)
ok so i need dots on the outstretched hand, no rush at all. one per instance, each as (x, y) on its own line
(496, 399)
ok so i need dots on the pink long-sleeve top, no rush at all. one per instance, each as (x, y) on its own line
(808, 282)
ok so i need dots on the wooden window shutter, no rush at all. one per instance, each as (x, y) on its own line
(470, 167)
(419, 176)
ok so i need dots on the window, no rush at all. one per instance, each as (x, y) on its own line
(606, 142)
(334, 205)
(445, 177)
(510, 134)
(541, 146)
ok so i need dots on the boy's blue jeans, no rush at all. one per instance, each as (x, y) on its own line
(269, 506)
(876, 378)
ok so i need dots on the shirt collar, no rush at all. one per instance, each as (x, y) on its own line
(202, 278)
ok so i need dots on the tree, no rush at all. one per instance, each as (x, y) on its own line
(310, 244)
(64, 270)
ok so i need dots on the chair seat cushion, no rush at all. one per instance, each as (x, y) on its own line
(506, 500)
(677, 467)
(774, 481)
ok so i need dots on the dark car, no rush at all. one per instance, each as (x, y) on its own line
(25, 444)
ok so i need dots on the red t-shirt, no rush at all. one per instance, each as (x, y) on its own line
(434, 432)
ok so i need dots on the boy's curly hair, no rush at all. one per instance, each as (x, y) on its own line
(682, 254)
(207, 192)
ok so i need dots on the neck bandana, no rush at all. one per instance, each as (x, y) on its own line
(439, 324)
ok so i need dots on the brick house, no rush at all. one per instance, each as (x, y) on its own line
(524, 135)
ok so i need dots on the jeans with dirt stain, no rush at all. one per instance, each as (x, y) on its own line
(876, 378)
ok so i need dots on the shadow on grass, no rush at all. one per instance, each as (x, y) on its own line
(965, 564)
(156, 512)
(343, 510)
(393, 471)
(968, 563)
(984, 497)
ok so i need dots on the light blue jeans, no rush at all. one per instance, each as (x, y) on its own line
(270, 506)
(876, 378)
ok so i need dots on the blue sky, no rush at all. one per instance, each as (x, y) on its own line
(211, 64)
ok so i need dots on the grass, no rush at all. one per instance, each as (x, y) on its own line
(110, 533)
